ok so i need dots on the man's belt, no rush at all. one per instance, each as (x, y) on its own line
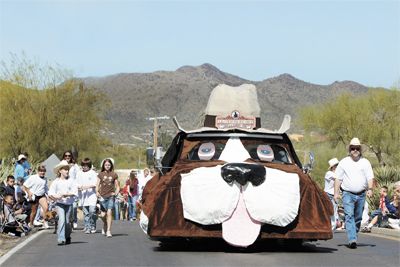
(354, 193)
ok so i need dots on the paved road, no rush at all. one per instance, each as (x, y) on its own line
(130, 247)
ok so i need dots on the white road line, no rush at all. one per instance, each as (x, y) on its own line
(21, 245)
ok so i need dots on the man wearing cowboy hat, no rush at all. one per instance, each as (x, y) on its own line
(355, 179)
(330, 178)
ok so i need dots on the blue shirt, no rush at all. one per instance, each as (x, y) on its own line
(26, 166)
(19, 171)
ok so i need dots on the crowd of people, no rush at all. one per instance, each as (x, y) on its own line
(351, 180)
(30, 201)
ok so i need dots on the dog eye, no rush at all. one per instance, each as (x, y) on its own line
(265, 153)
(206, 151)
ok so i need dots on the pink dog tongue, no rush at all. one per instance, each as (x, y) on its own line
(240, 229)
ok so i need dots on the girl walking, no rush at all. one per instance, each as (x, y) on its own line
(107, 188)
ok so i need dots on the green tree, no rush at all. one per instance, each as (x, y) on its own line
(44, 110)
(373, 118)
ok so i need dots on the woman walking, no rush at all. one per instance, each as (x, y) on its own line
(107, 188)
(63, 191)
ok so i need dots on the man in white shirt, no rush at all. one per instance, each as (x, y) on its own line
(355, 179)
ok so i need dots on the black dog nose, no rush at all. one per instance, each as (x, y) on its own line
(243, 173)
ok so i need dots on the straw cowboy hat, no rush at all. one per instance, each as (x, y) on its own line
(333, 162)
(60, 165)
(356, 142)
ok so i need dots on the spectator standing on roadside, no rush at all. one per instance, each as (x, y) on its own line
(143, 181)
(63, 191)
(329, 189)
(27, 165)
(107, 188)
(36, 188)
(19, 167)
(86, 179)
(355, 179)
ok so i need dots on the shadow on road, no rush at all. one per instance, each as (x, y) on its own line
(358, 245)
(212, 245)
(116, 235)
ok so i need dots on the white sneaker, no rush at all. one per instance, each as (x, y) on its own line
(109, 234)
(45, 225)
(37, 223)
(93, 231)
(394, 223)
(103, 232)
(75, 225)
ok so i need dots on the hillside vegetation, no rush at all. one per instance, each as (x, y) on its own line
(184, 93)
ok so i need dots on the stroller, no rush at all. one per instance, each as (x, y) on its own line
(11, 223)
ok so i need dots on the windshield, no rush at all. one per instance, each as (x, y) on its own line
(259, 150)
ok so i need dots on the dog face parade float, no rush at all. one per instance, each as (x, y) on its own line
(234, 180)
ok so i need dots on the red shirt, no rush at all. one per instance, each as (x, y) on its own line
(132, 186)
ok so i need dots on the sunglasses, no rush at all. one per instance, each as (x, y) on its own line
(355, 148)
(67, 156)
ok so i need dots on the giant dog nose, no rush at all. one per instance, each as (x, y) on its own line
(243, 173)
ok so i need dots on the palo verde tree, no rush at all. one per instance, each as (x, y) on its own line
(373, 118)
(43, 110)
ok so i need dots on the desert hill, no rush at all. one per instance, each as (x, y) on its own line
(184, 93)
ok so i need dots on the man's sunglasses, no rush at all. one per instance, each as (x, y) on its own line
(355, 148)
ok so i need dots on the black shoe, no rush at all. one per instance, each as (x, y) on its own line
(68, 241)
(353, 245)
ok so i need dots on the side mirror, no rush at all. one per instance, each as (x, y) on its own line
(310, 165)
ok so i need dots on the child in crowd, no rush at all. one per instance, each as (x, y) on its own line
(86, 180)
(63, 191)
(15, 218)
(378, 216)
(107, 188)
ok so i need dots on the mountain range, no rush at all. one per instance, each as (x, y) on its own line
(184, 93)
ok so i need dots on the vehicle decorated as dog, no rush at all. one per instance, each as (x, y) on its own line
(234, 180)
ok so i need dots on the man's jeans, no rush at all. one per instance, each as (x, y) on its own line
(353, 209)
(89, 213)
(64, 224)
(132, 206)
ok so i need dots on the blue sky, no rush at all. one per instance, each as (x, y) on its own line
(316, 41)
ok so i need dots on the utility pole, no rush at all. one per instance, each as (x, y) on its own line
(155, 129)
